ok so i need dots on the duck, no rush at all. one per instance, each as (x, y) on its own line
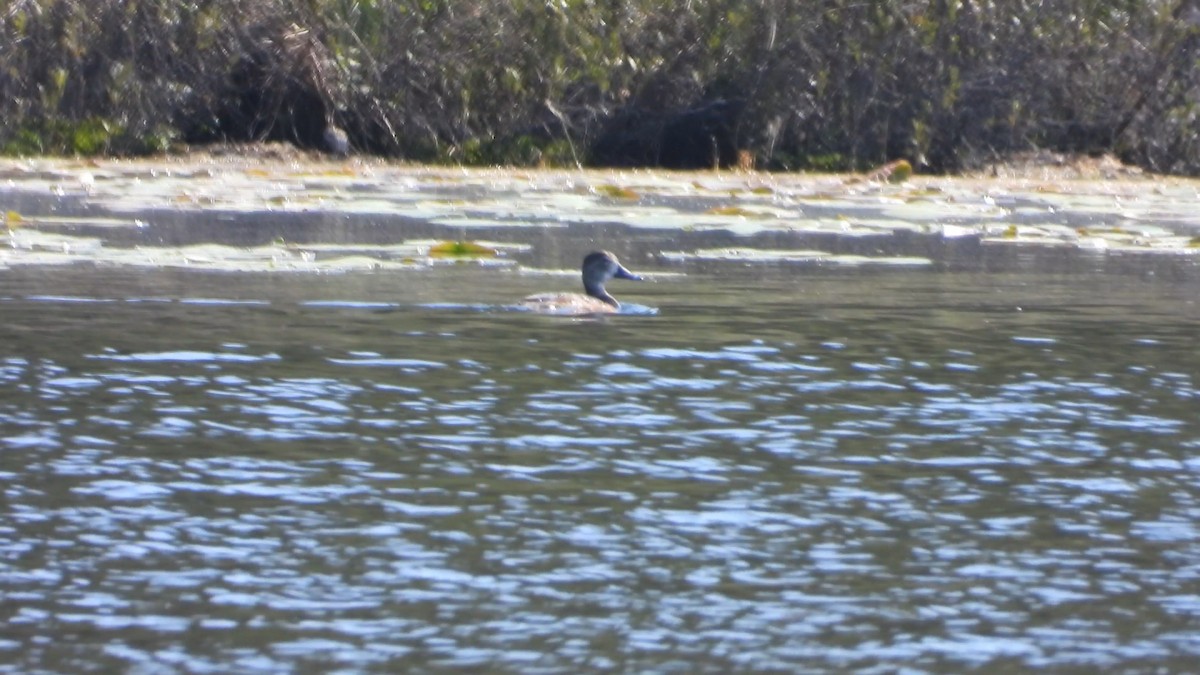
(598, 268)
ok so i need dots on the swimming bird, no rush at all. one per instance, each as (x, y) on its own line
(598, 268)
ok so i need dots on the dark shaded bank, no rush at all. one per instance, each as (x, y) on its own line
(776, 84)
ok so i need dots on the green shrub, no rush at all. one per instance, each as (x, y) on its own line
(823, 84)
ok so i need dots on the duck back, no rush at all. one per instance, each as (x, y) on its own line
(569, 304)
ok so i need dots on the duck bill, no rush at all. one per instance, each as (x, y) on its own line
(623, 273)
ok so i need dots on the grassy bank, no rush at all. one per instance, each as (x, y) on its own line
(782, 84)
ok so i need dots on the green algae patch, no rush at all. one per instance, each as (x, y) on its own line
(735, 211)
(461, 249)
(617, 192)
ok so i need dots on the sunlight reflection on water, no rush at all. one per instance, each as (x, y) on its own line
(277, 483)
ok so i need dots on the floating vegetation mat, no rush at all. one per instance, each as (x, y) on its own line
(58, 211)
(27, 246)
(752, 255)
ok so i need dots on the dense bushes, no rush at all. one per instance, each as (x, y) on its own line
(833, 84)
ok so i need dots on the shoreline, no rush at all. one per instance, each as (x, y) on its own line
(277, 211)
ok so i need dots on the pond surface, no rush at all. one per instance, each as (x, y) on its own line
(785, 468)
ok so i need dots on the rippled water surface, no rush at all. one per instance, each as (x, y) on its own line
(782, 469)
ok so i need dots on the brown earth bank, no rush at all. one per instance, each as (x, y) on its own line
(1034, 164)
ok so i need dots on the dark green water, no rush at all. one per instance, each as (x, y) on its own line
(784, 469)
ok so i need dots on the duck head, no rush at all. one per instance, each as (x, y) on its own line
(598, 268)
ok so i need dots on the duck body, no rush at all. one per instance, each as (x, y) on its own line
(598, 268)
(568, 304)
